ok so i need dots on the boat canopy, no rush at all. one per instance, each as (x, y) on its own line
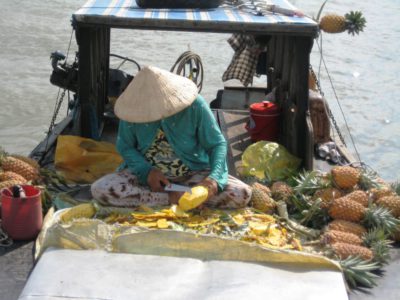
(289, 43)
(126, 14)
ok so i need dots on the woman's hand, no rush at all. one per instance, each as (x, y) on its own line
(174, 197)
(157, 180)
(211, 185)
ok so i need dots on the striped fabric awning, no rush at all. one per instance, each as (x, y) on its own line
(126, 13)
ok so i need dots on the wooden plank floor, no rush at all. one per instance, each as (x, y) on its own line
(232, 123)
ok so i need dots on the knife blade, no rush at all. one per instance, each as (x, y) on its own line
(172, 187)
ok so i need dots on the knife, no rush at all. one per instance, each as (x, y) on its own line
(172, 187)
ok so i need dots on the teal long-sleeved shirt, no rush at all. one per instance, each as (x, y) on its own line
(193, 134)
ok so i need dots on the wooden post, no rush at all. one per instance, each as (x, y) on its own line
(94, 52)
(299, 92)
(289, 57)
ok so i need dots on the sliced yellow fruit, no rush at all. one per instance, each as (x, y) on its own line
(258, 228)
(85, 210)
(239, 219)
(197, 197)
(178, 212)
(162, 223)
(146, 224)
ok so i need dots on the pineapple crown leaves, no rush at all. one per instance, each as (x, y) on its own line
(314, 216)
(357, 271)
(308, 182)
(355, 22)
(377, 240)
(307, 212)
(380, 217)
(395, 186)
(368, 179)
(320, 11)
(296, 205)
(56, 183)
(3, 154)
(381, 250)
(373, 236)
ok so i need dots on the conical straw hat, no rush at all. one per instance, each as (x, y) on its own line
(154, 94)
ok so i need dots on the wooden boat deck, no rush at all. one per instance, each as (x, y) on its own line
(232, 123)
(16, 262)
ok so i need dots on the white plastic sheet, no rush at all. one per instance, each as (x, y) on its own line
(96, 274)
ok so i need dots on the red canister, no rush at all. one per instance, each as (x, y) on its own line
(22, 217)
(264, 121)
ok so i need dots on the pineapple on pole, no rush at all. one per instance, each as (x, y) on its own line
(354, 22)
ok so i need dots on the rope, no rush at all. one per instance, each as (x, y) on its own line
(337, 100)
(189, 65)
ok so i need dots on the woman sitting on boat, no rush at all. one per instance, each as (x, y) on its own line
(168, 134)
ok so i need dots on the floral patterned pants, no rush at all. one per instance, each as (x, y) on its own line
(123, 189)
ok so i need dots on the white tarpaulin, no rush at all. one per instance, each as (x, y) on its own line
(96, 274)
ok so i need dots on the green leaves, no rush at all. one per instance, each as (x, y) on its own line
(359, 272)
(355, 22)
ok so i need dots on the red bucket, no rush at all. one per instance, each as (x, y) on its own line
(264, 122)
(22, 217)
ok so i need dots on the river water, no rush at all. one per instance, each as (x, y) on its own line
(364, 70)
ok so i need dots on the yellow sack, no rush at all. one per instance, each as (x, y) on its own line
(81, 159)
(83, 233)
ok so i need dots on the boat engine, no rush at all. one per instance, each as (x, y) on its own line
(64, 75)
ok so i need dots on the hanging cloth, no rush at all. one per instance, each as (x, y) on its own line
(244, 61)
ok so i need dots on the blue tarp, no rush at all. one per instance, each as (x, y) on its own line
(116, 10)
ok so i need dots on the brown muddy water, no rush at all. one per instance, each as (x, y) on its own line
(364, 70)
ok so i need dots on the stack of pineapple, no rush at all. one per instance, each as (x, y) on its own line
(361, 216)
(17, 169)
(357, 214)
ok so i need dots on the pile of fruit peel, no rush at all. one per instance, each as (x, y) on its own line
(246, 224)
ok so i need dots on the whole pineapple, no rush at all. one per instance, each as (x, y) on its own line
(359, 197)
(10, 183)
(345, 177)
(344, 250)
(281, 191)
(353, 22)
(262, 187)
(8, 175)
(382, 192)
(261, 200)
(346, 226)
(20, 167)
(346, 209)
(28, 160)
(375, 240)
(392, 203)
(335, 236)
